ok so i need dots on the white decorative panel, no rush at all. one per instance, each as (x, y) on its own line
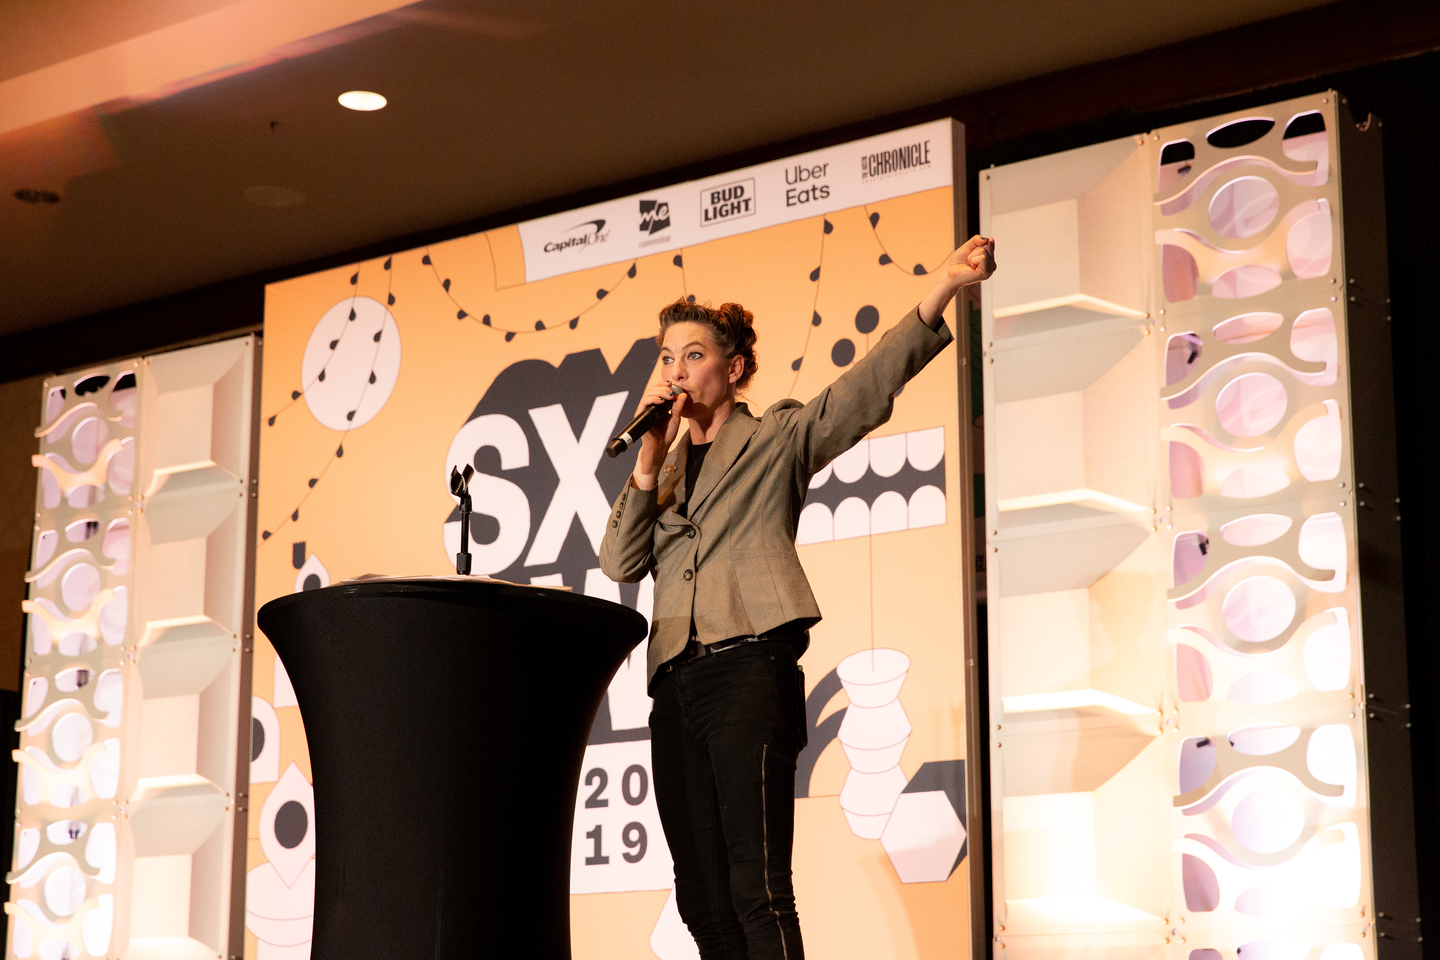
(1175, 633)
(133, 716)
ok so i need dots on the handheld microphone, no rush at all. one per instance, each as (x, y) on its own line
(640, 425)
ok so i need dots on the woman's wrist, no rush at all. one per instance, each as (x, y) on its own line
(932, 308)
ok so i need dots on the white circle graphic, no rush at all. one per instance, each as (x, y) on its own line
(1251, 404)
(1258, 609)
(351, 365)
(1268, 820)
(1244, 207)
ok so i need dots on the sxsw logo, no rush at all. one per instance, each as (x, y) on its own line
(654, 216)
(543, 485)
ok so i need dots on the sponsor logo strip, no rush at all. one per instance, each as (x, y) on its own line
(865, 171)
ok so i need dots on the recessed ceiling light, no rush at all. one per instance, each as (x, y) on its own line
(276, 198)
(31, 195)
(361, 100)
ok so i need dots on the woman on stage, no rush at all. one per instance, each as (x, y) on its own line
(714, 518)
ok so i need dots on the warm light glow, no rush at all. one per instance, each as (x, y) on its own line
(1079, 910)
(1073, 700)
(1080, 495)
(1082, 300)
(361, 100)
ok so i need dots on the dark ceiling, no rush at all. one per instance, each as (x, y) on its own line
(492, 106)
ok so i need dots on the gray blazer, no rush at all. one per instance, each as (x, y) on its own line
(728, 561)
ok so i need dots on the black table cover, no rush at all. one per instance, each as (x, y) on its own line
(447, 723)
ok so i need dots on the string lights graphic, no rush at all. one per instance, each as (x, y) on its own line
(843, 352)
(360, 315)
(867, 318)
(919, 270)
(484, 319)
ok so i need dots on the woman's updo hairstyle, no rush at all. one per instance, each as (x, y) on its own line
(731, 326)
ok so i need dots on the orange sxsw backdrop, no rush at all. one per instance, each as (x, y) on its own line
(381, 506)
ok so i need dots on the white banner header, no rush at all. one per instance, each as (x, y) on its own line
(847, 175)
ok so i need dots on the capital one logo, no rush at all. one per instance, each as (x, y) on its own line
(543, 485)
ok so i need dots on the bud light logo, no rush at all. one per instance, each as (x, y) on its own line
(729, 201)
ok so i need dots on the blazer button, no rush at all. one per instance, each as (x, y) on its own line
(614, 523)
(688, 575)
(690, 533)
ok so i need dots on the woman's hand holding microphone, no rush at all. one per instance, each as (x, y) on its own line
(656, 442)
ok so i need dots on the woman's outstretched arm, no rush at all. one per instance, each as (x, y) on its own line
(862, 397)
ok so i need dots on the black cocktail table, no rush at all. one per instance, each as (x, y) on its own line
(447, 723)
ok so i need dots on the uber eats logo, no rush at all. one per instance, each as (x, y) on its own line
(543, 485)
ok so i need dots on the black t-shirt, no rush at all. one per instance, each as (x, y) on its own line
(694, 460)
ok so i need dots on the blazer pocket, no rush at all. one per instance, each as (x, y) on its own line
(756, 574)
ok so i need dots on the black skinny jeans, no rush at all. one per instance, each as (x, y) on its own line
(724, 736)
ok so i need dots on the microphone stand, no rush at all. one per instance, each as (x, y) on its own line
(460, 487)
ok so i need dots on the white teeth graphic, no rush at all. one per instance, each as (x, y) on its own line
(925, 448)
(883, 497)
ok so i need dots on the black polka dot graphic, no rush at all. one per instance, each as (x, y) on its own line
(842, 353)
(795, 364)
(257, 739)
(312, 582)
(867, 318)
(815, 320)
(291, 824)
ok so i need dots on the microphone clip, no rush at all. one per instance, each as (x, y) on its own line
(460, 487)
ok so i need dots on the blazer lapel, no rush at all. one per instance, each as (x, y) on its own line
(734, 435)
